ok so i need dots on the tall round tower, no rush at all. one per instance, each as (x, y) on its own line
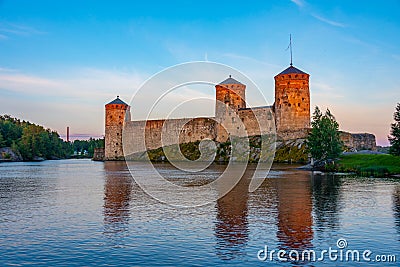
(117, 111)
(231, 93)
(230, 97)
(292, 103)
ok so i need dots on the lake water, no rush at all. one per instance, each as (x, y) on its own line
(85, 213)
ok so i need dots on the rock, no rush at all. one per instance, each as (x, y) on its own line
(36, 158)
(7, 154)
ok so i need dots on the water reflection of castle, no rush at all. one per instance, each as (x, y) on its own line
(117, 196)
(289, 203)
(292, 208)
(231, 226)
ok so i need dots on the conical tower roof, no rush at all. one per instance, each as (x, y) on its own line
(292, 70)
(117, 101)
(230, 80)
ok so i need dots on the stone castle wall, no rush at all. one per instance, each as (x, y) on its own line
(358, 141)
(257, 121)
(160, 133)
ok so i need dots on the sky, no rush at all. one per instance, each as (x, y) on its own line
(61, 61)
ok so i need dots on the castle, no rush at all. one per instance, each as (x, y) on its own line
(289, 116)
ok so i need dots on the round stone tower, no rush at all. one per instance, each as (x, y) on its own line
(292, 103)
(117, 112)
(231, 93)
(230, 97)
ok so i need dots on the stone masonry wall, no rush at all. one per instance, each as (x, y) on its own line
(358, 141)
(254, 118)
(175, 131)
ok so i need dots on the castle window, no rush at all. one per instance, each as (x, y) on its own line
(290, 105)
(116, 144)
(302, 99)
(290, 76)
(117, 133)
(298, 104)
(295, 76)
(288, 83)
(116, 151)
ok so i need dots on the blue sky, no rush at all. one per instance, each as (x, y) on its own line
(61, 61)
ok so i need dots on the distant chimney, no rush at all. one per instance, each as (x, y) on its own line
(67, 134)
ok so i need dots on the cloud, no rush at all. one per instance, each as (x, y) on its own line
(247, 58)
(87, 83)
(8, 29)
(76, 99)
(328, 21)
(324, 91)
(299, 3)
(395, 56)
(309, 9)
(2, 69)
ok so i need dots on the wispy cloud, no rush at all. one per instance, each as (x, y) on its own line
(309, 9)
(2, 69)
(396, 56)
(325, 91)
(77, 97)
(328, 21)
(247, 58)
(88, 83)
(8, 29)
(299, 3)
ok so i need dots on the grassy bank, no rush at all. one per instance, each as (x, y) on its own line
(369, 165)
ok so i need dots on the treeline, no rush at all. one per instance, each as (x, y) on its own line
(86, 147)
(34, 142)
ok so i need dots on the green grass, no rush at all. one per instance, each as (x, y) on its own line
(375, 165)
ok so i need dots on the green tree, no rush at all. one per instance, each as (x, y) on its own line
(2, 142)
(394, 137)
(324, 140)
(32, 140)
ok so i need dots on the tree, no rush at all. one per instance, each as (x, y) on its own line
(2, 142)
(394, 137)
(324, 140)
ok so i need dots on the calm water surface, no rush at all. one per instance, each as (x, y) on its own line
(84, 213)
